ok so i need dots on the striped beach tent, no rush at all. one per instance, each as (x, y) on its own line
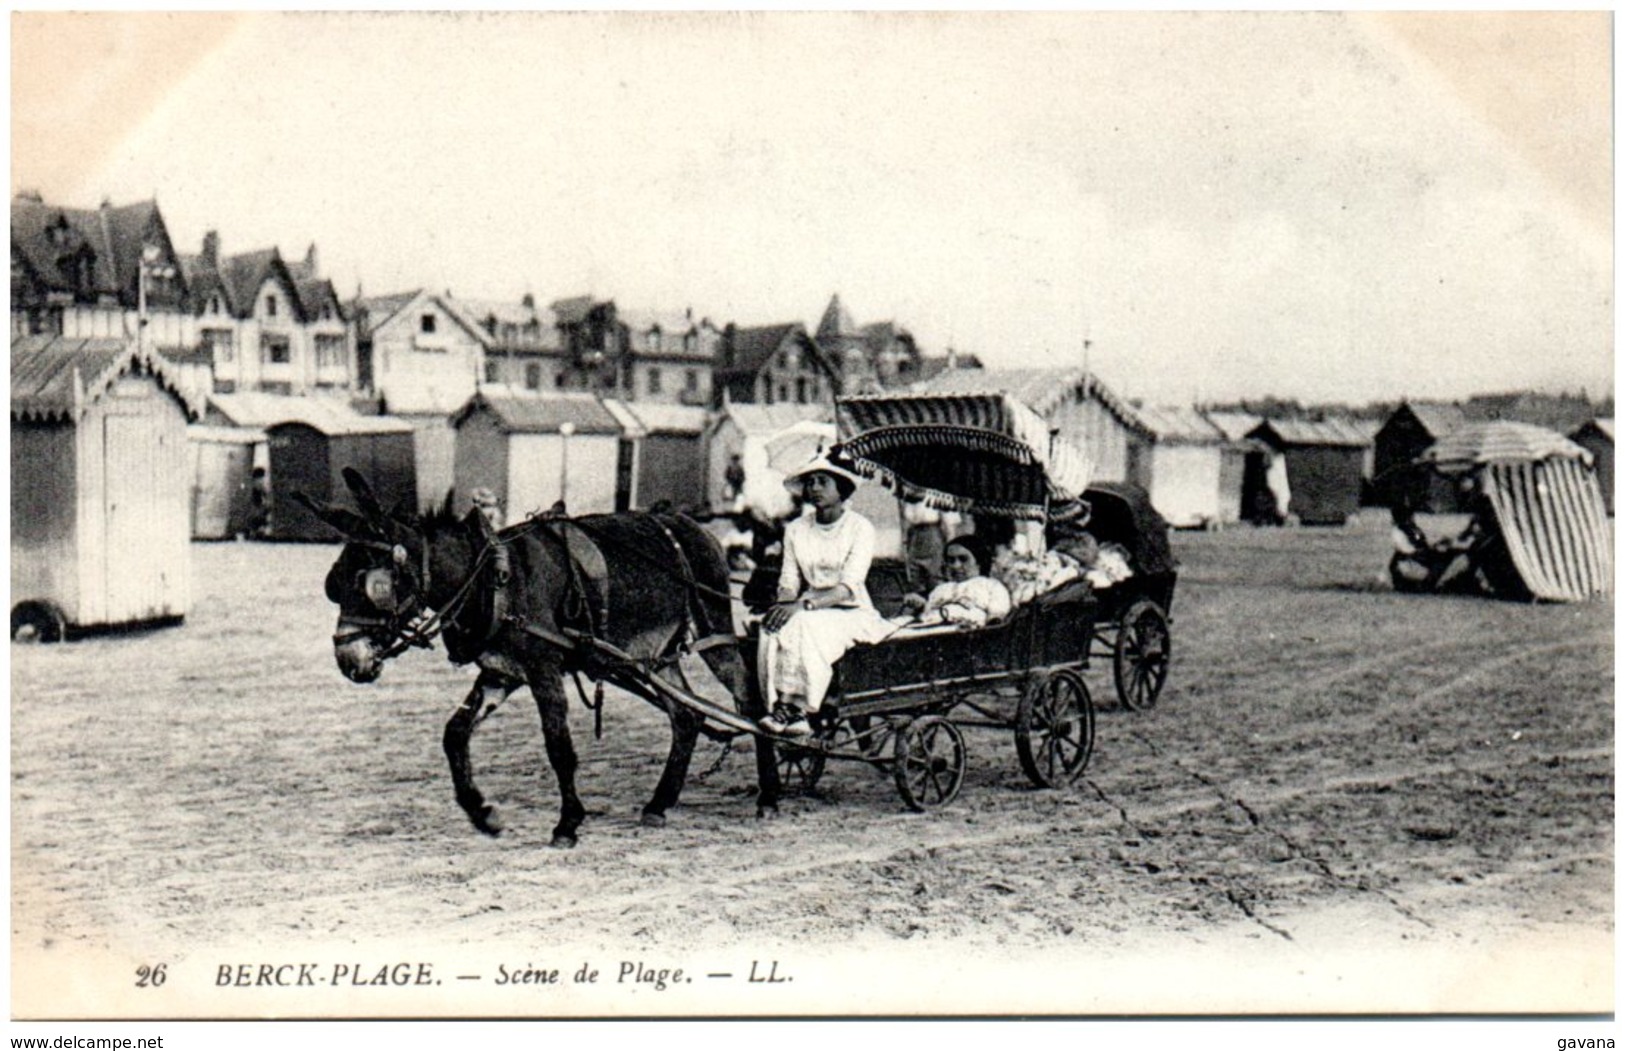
(1544, 493)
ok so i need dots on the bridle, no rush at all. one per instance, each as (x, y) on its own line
(403, 620)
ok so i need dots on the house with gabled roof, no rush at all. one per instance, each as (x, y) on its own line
(1407, 433)
(774, 365)
(76, 272)
(426, 356)
(881, 354)
(262, 323)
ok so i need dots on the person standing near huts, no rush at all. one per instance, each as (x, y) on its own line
(823, 606)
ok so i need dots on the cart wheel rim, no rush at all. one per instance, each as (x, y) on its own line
(930, 762)
(1055, 730)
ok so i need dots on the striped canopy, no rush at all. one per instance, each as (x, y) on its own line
(1499, 441)
(1552, 516)
(974, 452)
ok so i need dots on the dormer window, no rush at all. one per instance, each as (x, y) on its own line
(654, 341)
(270, 305)
(426, 324)
(214, 304)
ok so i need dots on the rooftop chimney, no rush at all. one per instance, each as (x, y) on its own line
(211, 248)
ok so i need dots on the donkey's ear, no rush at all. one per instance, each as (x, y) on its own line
(451, 501)
(346, 522)
(363, 494)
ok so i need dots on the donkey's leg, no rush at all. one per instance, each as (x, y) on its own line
(548, 687)
(685, 730)
(729, 668)
(489, 690)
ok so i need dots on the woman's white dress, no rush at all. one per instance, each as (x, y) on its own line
(800, 658)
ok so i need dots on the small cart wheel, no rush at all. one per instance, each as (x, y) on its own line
(1055, 729)
(799, 768)
(1140, 657)
(37, 622)
(930, 762)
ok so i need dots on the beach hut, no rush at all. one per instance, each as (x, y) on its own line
(671, 456)
(100, 501)
(223, 462)
(1195, 473)
(1539, 492)
(1597, 438)
(532, 450)
(1405, 435)
(1324, 467)
(310, 441)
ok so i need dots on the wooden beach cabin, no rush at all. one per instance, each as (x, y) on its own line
(1325, 467)
(223, 460)
(100, 491)
(311, 440)
(531, 450)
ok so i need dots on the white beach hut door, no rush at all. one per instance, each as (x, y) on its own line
(132, 556)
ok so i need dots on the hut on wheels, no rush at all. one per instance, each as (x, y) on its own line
(1195, 472)
(1597, 438)
(1404, 436)
(223, 484)
(99, 494)
(1325, 467)
(310, 441)
(532, 450)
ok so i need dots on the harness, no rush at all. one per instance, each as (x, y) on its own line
(585, 602)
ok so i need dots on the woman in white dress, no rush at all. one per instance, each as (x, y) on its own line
(822, 605)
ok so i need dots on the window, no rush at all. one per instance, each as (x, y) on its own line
(275, 349)
(654, 341)
(688, 343)
(426, 324)
(270, 305)
(691, 380)
(560, 380)
(493, 372)
(221, 344)
(654, 381)
(214, 304)
(801, 390)
(533, 377)
(784, 392)
(329, 351)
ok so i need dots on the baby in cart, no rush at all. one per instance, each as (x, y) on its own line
(968, 597)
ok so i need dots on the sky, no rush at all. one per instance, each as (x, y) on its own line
(1333, 206)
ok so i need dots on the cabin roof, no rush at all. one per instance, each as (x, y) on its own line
(56, 378)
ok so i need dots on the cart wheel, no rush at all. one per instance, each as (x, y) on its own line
(37, 622)
(1055, 729)
(930, 762)
(799, 768)
(1140, 657)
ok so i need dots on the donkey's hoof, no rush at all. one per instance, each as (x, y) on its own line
(563, 842)
(767, 813)
(653, 820)
(488, 821)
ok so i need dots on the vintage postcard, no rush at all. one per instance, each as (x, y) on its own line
(451, 451)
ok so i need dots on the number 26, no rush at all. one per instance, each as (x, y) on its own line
(150, 977)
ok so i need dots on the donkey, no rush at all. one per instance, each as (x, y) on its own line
(528, 604)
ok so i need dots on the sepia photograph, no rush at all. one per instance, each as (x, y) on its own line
(739, 514)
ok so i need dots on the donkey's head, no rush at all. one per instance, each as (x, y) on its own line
(378, 582)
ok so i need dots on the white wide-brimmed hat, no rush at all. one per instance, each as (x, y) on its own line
(822, 462)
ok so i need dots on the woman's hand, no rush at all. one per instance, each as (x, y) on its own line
(914, 603)
(779, 615)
